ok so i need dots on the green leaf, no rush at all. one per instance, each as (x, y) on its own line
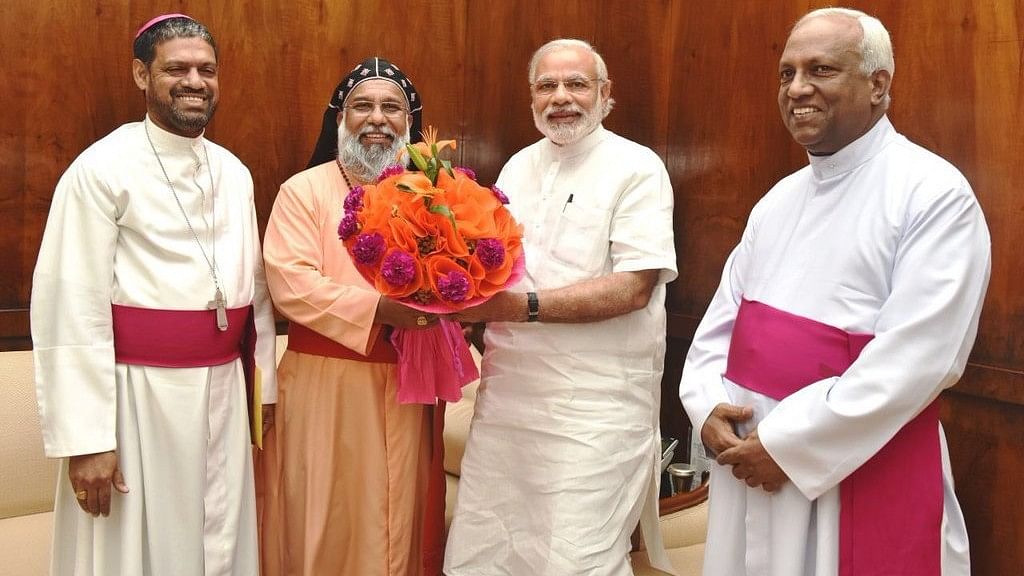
(444, 211)
(417, 158)
(448, 167)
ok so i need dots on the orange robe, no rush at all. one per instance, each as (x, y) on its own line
(344, 474)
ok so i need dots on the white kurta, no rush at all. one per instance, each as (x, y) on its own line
(116, 235)
(884, 238)
(564, 445)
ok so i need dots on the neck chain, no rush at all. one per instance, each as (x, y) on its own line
(218, 303)
(344, 173)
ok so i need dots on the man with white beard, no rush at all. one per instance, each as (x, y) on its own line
(563, 453)
(346, 468)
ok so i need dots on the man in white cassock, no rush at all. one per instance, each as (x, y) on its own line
(563, 453)
(151, 325)
(850, 303)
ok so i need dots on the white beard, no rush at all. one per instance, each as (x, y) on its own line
(366, 163)
(563, 134)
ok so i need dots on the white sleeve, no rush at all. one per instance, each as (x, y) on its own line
(701, 387)
(923, 335)
(72, 334)
(266, 331)
(641, 232)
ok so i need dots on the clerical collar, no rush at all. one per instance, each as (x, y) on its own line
(855, 153)
(578, 147)
(170, 141)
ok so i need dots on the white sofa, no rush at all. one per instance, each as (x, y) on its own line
(27, 479)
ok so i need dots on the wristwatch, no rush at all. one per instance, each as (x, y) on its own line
(532, 307)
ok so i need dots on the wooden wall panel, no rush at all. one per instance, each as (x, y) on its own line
(503, 35)
(695, 81)
(986, 441)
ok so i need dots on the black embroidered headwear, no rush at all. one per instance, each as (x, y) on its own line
(326, 149)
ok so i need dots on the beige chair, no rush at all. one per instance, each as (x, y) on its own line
(28, 480)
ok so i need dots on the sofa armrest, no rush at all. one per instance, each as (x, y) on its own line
(684, 518)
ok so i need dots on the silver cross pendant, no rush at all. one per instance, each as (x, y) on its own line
(218, 303)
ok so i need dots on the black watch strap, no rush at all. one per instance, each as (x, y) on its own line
(532, 307)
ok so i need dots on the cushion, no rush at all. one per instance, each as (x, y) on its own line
(26, 544)
(29, 479)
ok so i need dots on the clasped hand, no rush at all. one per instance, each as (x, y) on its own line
(748, 458)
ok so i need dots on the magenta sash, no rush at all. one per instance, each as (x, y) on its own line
(185, 339)
(891, 507)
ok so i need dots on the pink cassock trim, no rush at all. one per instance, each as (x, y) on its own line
(890, 507)
(185, 339)
(176, 338)
(157, 20)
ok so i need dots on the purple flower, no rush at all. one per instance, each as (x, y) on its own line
(368, 248)
(499, 195)
(490, 252)
(398, 268)
(349, 225)
(354, 200)
(389, 172)
(467, 171)
(453, 286)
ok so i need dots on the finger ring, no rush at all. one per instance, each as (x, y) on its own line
(81, 494)
(421, 320)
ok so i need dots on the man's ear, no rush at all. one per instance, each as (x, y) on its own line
(140, 73)
(881, 81)
(606, 89)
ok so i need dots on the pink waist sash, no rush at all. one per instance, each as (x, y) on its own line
(185, 339)
(891, 507)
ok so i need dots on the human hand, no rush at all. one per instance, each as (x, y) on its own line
(751, 463)
(394, 313)
(719, 431)
(91, 476)
(268, 417)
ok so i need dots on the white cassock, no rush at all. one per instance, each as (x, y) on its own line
(883, 238)
(115, 234)
(564, 447)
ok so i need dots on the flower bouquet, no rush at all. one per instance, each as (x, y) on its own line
(437, 241)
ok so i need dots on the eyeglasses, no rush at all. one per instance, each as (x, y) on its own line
(389, 109)
(574, 85)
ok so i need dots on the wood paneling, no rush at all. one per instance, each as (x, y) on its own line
(986, 444)
(695, 81)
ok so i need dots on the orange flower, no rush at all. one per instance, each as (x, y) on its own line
(416, 183)
(428, 220)
(430, 140)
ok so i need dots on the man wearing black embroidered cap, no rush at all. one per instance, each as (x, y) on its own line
(353, 479)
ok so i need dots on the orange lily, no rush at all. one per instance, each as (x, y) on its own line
(416, 183)
(430, 140)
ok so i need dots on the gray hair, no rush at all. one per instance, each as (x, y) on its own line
(875, 45)
(567, 44)
(573, 44)
(181, 27)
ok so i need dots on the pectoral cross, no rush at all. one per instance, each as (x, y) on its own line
(218, 303)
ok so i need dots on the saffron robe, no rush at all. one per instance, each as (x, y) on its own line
(881, 238)
(345, 469)
(116, 235)
(563, 453)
